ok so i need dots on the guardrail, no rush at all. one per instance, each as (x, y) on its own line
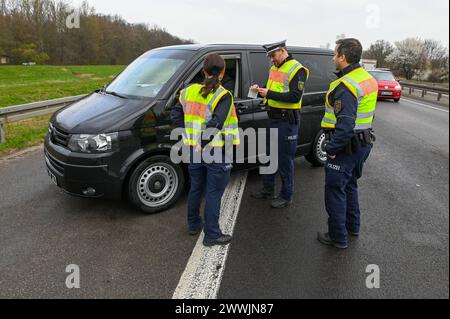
(16, 113)
(425, 89)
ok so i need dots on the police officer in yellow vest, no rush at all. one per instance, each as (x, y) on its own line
(350, 110)
(202, 108)
(283, 97)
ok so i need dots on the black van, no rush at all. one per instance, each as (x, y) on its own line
(115, 142)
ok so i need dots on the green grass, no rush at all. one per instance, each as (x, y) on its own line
(24, 134)
(25, 84)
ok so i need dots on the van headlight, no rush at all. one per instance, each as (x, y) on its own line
(99, 143)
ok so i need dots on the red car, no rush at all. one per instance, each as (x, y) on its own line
(388, 86)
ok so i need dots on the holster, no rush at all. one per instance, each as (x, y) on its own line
(361, 139)
(373, 138)
(356, 145)
(293, 117)
(367, 137)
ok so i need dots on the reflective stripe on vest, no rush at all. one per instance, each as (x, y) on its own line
(279, 81)
(365, 88)
(199, 110)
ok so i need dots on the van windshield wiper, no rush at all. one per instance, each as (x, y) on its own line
(116, 94)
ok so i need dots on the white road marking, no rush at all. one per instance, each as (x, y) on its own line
(426, 105)
(203, 273)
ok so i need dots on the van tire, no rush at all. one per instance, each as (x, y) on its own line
(317, 156)
(155, 184)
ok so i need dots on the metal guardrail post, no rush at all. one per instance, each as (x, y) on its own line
(2, 133)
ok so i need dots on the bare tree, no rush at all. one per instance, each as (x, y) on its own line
(438, 60)
(379, 51)
(101, 39)
(437, 54)
(409, 57)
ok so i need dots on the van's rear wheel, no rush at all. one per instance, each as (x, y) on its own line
(318, 156)
(155, 184)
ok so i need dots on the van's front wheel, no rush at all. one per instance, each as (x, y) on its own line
(155, 184)
(318, 156)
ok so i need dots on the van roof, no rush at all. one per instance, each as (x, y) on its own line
(198, 47)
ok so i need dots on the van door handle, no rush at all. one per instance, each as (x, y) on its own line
(240, 108)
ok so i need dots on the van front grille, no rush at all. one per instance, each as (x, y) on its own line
(56, 165)
(60, 137)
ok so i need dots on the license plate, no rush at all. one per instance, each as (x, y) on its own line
(386, 93)
(52, 178)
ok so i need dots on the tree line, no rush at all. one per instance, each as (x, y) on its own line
(55, 32)
(412, 58)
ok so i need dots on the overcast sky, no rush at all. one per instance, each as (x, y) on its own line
(303, 22)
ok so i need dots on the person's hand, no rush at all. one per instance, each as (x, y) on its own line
(254, 87)
(333, 157)
(263, 92)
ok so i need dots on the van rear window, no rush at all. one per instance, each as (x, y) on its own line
(321, 69)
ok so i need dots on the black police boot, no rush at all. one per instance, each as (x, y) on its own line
(352, 233)
(221, 241)
(264, 194)
(325, 239)
(280, 203)
(194, 232)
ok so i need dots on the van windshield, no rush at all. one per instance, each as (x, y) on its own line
(146, 76)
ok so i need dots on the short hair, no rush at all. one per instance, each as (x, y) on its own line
(351, 48)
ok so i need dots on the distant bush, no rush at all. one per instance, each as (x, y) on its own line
(412, 58)
(28, 53)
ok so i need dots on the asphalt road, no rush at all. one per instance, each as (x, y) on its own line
(123, 254)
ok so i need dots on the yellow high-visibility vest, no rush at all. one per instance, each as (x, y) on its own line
(279, 81)
(365, 88)
(198, 110)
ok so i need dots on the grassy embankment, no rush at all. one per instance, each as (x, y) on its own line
(26, 84)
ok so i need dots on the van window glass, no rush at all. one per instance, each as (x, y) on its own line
(146, 76)
(321, 68)
(231, 79)
(260, 66)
